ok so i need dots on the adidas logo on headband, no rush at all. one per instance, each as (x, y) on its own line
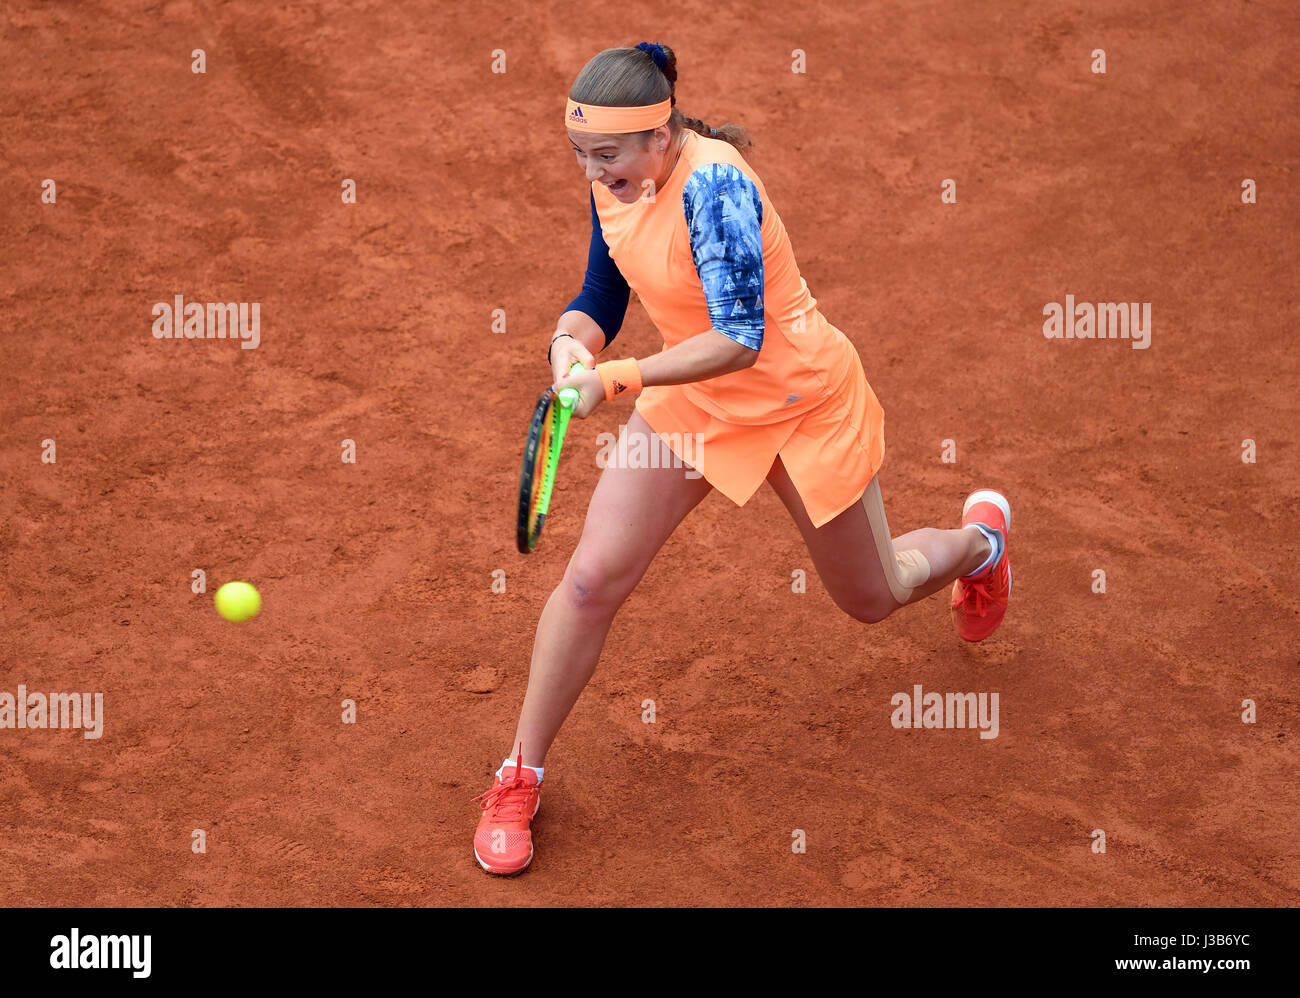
(577, 116)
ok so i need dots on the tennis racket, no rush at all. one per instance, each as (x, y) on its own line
(541, 457)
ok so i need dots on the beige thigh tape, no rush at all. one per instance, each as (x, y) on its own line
(905, 571)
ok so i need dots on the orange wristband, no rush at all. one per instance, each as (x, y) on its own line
(619, 376)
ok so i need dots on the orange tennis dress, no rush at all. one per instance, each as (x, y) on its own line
(806, 397)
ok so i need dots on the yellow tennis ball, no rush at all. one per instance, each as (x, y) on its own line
(238, 601)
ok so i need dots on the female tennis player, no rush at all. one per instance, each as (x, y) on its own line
(753, 384)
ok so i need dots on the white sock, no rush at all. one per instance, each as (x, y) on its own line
(996, 544)
(539, 770)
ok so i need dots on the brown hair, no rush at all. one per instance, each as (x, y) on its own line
(630, 77)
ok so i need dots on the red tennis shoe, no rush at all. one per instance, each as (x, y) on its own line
(503, 842)
(979, 602)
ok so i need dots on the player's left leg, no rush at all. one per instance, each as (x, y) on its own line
(868, 574)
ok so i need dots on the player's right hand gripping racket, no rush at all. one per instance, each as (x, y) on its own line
(541, 456)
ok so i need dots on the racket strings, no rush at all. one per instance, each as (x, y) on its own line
(543, 465)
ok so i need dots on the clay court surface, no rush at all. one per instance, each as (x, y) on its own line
(1119, 712)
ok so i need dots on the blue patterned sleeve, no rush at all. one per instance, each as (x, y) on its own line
(724, 215)
(605, 292)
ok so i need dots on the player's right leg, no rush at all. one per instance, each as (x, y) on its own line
(633, 511)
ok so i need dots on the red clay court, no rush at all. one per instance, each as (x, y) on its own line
(1120, 711)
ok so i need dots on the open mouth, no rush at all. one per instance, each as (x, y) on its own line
(619, 187)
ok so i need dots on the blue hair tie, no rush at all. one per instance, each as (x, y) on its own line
(655, 51)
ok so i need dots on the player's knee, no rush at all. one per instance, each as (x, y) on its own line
(591, 583)
(870, 608)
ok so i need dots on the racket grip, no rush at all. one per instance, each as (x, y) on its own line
(569, 396)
